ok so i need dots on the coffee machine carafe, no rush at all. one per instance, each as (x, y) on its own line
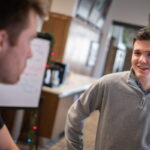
(55, 74)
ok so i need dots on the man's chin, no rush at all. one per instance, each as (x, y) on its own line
(143, 76)
(11, 80)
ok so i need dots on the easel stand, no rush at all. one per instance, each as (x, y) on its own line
(17, 124)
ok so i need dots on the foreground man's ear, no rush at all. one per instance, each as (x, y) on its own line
(3, 39)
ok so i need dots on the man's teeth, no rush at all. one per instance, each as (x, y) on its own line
(143, 67)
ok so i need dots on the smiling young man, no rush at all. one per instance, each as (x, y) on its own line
(123, 100)
(17, 29)
(141, 62)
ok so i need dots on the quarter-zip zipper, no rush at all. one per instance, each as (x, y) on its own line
(142, 102)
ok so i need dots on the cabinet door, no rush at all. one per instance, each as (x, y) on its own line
(58, 25)
(62, 110)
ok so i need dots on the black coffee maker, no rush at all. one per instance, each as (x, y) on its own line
(55, 74)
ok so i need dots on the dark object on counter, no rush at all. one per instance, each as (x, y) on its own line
(55, 74)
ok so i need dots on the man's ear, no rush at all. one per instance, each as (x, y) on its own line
(3, 39)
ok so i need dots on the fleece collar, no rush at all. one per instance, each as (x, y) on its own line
(132, 80)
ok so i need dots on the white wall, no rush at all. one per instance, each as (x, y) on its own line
(127, 11)
(66, 7)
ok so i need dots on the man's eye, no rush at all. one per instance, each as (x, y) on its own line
(137, 53)
(148, 54)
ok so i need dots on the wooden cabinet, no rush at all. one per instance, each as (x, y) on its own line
(58, 25)
(56, 102)
(53, 114)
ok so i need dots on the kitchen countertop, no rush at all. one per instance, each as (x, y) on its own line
(74, 83)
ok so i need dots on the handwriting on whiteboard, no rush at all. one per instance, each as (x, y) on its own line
(32, 74)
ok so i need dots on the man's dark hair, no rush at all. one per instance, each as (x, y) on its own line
(14, 14)
(142, 34)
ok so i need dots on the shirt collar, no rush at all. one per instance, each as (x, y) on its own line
(132, 80)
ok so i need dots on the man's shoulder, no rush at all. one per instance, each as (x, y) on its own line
(115, 77)
(118, 74)
(112, 80)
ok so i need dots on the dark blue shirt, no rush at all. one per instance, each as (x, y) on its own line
(1, 122)
(140, 86)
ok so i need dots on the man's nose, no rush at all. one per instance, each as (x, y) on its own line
(143, 59)
(30, 53)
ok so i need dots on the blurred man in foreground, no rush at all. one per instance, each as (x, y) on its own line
(17, 28)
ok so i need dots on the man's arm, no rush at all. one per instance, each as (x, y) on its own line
(6, 141)
(81, 109)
